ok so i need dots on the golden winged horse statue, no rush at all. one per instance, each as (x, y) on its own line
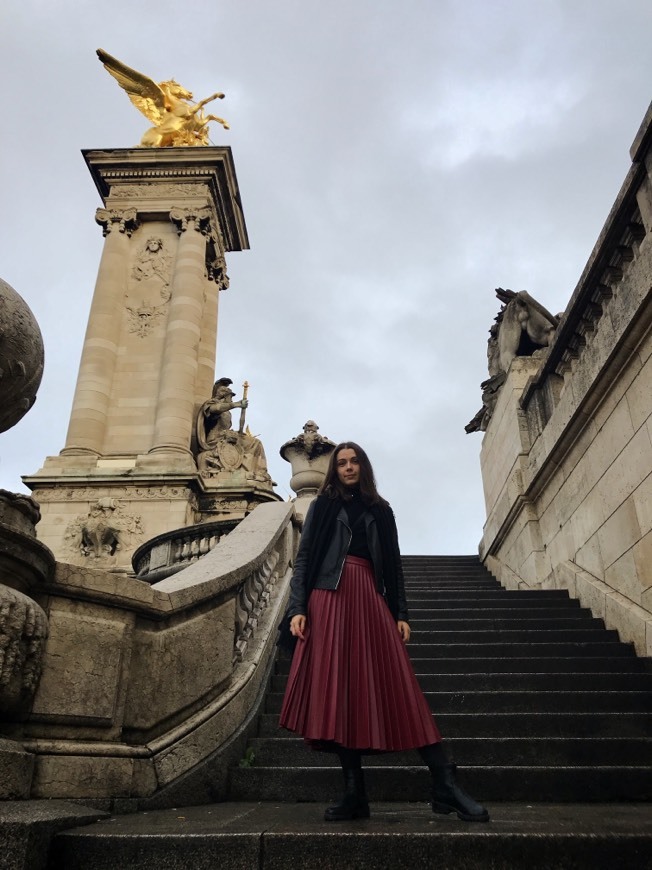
(177, 119)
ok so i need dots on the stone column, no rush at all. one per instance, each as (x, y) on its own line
(219, 281)
(177, 390)
(93, 391)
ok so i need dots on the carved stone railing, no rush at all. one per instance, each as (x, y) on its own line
(149, 692)
(614, 257)
(173, 551)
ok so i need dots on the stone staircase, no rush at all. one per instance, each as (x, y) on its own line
(547, 714)
(536, 700)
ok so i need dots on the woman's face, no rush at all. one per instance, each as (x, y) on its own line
(348, 467)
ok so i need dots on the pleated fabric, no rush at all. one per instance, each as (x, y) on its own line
(351, 681)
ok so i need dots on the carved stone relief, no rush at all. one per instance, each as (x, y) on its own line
(104, 531)
(151, 273)
(157, 191)
(89, 494)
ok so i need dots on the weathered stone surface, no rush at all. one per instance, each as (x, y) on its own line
(167, 674)
(21, 357)
(16, 769)
(271, 837)
(82, 663)
(584, 488)
(82, 776)
(27, 827)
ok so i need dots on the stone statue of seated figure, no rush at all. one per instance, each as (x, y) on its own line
(221, 448)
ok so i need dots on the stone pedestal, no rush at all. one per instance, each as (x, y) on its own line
(127, 471)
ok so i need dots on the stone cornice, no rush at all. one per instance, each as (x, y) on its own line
(117, 170)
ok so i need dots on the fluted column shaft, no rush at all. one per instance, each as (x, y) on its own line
(88, 417)
(176, 398)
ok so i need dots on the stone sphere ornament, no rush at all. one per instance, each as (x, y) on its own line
(21, 357)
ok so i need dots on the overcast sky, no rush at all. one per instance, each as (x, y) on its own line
(396, 161)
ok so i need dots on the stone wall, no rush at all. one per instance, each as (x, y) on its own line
(567, 457)
(147, 690)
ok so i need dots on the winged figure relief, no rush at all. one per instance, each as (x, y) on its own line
(177, 119)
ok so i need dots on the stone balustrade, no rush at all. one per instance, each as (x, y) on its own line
(172, 551)
(148, 689)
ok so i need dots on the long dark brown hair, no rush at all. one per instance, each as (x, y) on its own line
(333, 487)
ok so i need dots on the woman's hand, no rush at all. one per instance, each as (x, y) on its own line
(404, 630)
(298, 625)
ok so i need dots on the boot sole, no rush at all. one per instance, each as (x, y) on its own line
(445, 809)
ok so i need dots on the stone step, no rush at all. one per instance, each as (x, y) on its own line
(531, 724)
(576, 649)
(510, 623)
(269, 836)
(509, 636)
(627, 664)
(510, 751)
(521, 702)
(462, 581)
(526, 613)
(486, 784)
(497, 602)
(530, 682)
(499, 594)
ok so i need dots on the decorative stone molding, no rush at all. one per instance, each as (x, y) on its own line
(124, 493)
(126, 220)
(21, 357)
(252, 599)
(157, 191)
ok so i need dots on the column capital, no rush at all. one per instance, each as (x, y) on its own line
(216, 270)
(198, 219)
(126, 220)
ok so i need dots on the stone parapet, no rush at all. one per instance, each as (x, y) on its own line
(568, 491)
(144, 683)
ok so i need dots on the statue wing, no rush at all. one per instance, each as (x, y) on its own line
(144, 93)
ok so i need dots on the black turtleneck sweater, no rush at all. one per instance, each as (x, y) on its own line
(355, 510)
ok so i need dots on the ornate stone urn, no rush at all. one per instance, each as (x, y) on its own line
(308, 454)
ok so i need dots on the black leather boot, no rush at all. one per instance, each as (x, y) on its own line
(354, 804)
(448, 797)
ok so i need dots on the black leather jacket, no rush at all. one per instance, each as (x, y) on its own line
(330, 570)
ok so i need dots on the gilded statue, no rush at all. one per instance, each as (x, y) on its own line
(177, 119)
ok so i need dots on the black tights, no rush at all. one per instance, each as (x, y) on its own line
(433, 755)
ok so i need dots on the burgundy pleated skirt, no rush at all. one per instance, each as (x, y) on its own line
(351, 680)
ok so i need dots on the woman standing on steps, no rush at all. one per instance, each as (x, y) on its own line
(352, 689)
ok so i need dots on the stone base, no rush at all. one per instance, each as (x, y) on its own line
(27, 827)
(16, 771)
